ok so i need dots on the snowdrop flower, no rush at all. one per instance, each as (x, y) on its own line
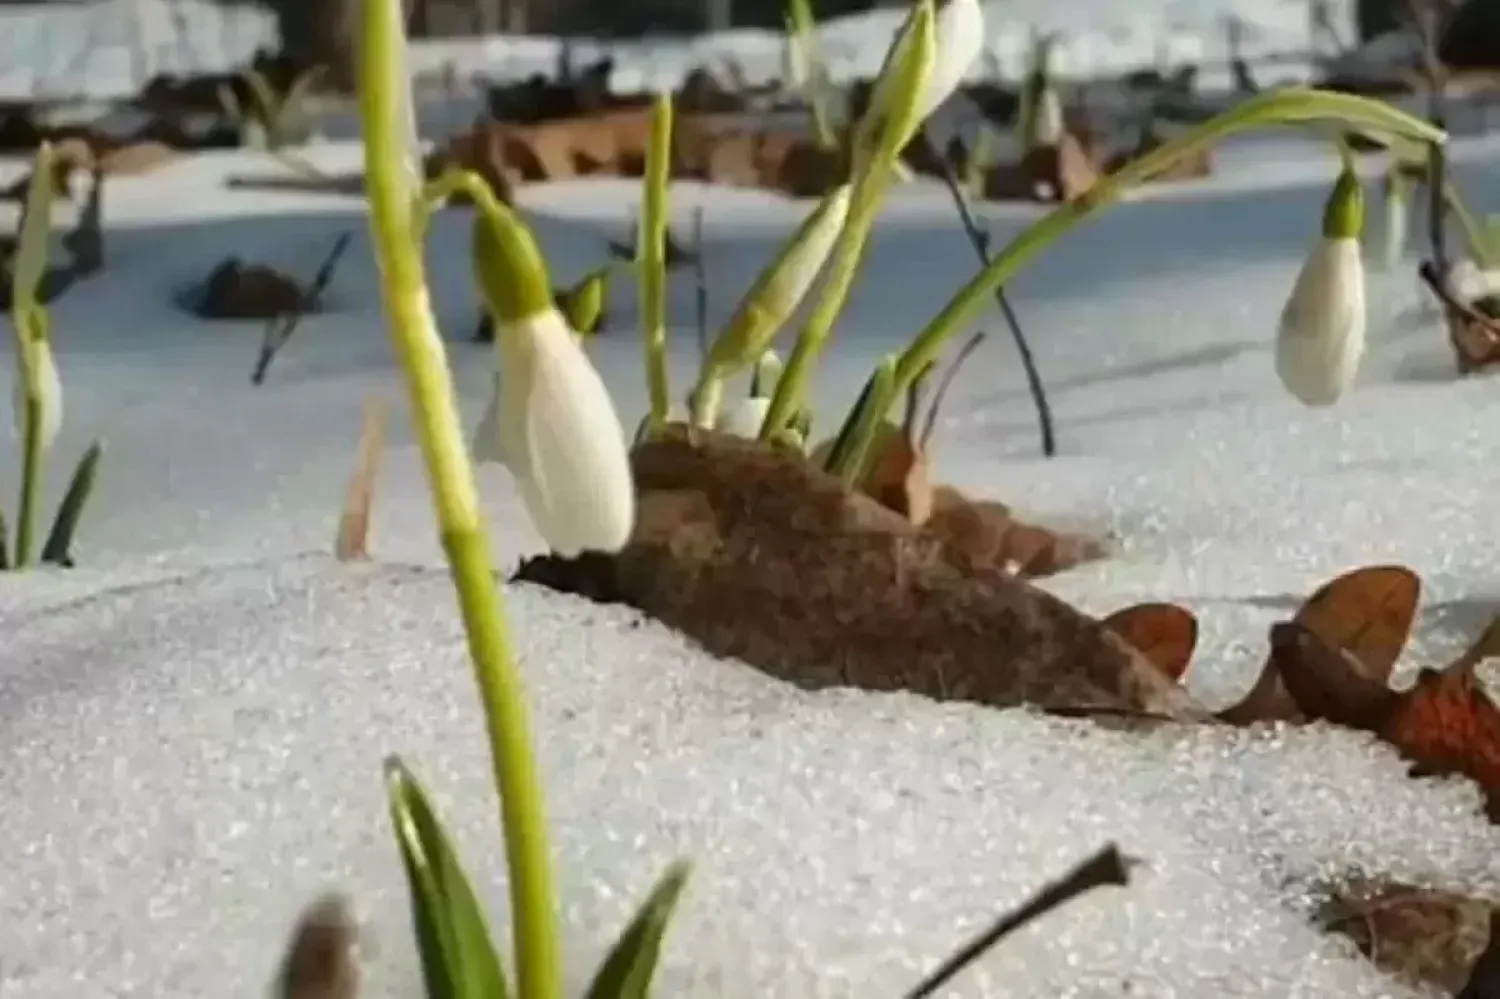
(958, 38)
(1321, 335)
(550, 419)
(50, 386)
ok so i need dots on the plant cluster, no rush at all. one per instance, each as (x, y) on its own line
(556, 429)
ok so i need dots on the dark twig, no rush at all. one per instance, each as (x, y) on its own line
(280, 329)
(945, 383)
(700, 283)
(1427, 22)
(980, 239)
(1107, 867)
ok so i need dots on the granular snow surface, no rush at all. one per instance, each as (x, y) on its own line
(192, 724)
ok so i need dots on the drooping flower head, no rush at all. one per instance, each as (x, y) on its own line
(550, 419)
(1321, 336)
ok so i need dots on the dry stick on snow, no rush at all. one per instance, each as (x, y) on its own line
(352, 541)
(1427, 22)
(280, 329)
(980, 240)
(1107, 867)
(700, 284)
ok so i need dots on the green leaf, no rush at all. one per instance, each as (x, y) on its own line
(628, 970)
(58, 549)
(453, 938)
(4, 545)
(869, 411)
(30, 260)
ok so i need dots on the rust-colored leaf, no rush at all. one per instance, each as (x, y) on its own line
(1447, 724)
(1165, 634)
(352, 541)
(1367, 612)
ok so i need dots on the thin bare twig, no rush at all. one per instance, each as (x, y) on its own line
(1107, 867)
(280, 329)
(945, 383)
(980, 240)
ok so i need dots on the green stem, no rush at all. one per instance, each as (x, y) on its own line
(33, 468)
(653, 259)
(392, 199)
(1285, 106)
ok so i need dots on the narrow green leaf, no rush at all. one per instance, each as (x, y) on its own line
(631, 965)
(458, 954)
(847, 457)
(4, 544)
(58, 548)
(30, 260)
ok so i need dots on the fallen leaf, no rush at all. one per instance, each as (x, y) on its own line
(1484, 980)
(1328, 683)
(899, 481)
(1445, 724)
(1165, 634)
(1367, 612)
(351, 543)
(1420, 936)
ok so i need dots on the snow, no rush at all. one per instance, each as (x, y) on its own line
(109, 48)
(192, 724)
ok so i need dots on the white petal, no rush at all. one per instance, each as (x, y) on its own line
(744, 417)
(959, 33)
(578, 464)
(1321, 336)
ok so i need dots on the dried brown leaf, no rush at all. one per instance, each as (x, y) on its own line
(352, 540)
(1165, 634)
(1367, 612)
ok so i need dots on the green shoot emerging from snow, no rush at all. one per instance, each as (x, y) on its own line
(458, 956)
(37, 393)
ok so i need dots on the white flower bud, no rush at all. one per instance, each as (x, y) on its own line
(1321, 336)
(552, 423)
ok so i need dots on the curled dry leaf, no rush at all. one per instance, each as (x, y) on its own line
(1367, 612)
(1421, 936)
(1165, 634)
(1445, 724)
(898, 480)
(986, 533)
